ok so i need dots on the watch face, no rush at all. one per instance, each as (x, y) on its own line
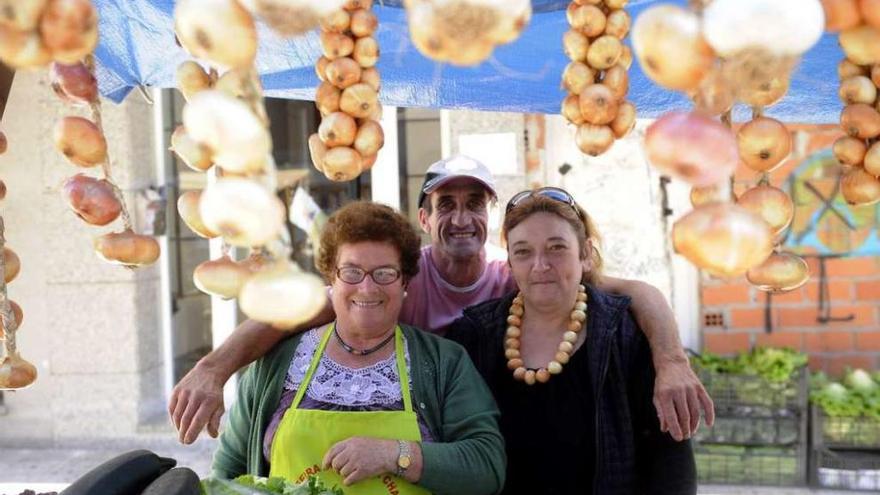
(403, 461)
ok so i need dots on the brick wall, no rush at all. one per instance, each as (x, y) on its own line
(734, 313)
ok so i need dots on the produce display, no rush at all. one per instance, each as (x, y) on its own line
(349, 138)
(720, 52)
(858, 22)
(597, 79)
(850, 408)
(747, 465)
(254, 485)
(226, 132)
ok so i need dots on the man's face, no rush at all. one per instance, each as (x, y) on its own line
(459, 218)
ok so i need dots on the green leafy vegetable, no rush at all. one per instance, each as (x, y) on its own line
(256, 485)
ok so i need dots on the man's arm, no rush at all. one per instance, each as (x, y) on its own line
(678, 393)
(197, 400)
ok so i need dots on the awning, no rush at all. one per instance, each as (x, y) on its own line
(137, 47)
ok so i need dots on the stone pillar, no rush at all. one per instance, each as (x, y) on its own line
(91, 328)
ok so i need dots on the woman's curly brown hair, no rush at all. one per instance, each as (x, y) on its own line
(365, 221)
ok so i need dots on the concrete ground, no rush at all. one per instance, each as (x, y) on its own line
(47, 470)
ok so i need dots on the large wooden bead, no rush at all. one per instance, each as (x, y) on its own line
(578, 315)
(514, 364)
(574, 326)
(511, 353)
(570, 337)
(519, 374)
(511, 344)
(581, 297)
(530, 377)
(554, 367)
(566, 347)
(513, 332)
(580, 306)
(562, 357)
(542, 375)
(514, 320)
(518, 300)
(516, 310)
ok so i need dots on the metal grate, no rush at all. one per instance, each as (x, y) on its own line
(849, 470)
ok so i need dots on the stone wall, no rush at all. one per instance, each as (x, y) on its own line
(92, 329)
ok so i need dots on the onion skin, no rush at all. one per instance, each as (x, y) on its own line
(336, 45)
(841, 14)
(80, 141)
(577, 76)
(127, 248)
(366, 52)
(338, 129)
(846, 68)
(327, 98)
(617, 80)
(16, 313)
(723, 239)
(222, 277)
(283, 296)
(763, 144)
(21, 15)
(242, 211)
(710, 194)
(860, 121)
(598, 104)
(16, 373)
(781, 272)
(715, 95)
(342, 164)
(872, 160)
(604, 52)
(625, 120)
(343, 72)
(12, 264)
(69, 29)
(593, 139)
(359, 100)
(849, 150)
(369, 139)
(192, 79)
(368, 161)
(23, 50)
(93, 200)
(767, 95)
(221, 31)
(771, 204)
(670, 47)
(861, 44)
(857, 89)
(618, 24)
(188, 209)
(363, 23)
(371, 77)
(317, 150)
(860, 188)
(74, 83)
(692, 147)
(571, 110)
(575, 45)
(337, 21)
(194, 155)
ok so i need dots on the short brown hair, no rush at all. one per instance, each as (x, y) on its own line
(365, 221)
(580, 221)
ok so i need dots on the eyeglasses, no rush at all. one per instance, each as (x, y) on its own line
(383, 275)
(554, 193)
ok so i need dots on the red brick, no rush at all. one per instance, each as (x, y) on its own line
(852, 267)
(816, 362)
(791, 297)
(838, 290)
(726, 294)
(868, 341)
(793, 340)
(794, 318)
(726, 343)
(747, 318)
(835, 366)
(828, 341)
(868, 291)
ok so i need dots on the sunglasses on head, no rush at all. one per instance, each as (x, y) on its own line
(553, 193)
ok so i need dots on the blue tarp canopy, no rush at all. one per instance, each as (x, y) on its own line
(137, 47)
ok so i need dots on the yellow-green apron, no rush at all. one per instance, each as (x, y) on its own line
(305, 435)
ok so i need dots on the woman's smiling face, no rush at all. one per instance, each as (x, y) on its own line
(367, 307)
(545, 259)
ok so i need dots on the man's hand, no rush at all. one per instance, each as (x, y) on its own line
(196, 402)
(678, 397)
(359, 458)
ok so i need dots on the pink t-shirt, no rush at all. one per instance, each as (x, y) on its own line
(432, 303)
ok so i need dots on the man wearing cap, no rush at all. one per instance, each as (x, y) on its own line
(455, 271)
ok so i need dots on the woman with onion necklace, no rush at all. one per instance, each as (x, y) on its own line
(568, 366)
(365, 403)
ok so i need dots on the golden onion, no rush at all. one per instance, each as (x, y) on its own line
(338, 129)
(222, 277)
(669, 44)
(282, 295)
(771, 204)
(593, 139)
(188, 209)
(127, 248)
(16, 373)
(342, 164)
(221, 31)
(849, 150)
(860, 188)
(625, 119)
(243, 212)
(860, 121)
(763, 144)
(80, 141)
(872, 160)
(598, 104)
(781, 272)
(692, 147)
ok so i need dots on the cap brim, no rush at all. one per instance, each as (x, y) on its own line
(434, 184)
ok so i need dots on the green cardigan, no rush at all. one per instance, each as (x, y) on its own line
(467, 454)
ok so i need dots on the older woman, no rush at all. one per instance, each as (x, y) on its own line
(366, 402)
(568, 366)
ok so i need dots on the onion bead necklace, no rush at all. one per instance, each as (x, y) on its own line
(577, 322)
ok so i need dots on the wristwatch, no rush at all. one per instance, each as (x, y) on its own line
(404, 458)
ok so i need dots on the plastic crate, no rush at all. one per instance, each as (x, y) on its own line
(845, 432)
(741, 465)
(754, 396)
(846, 469)
(785, 429)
